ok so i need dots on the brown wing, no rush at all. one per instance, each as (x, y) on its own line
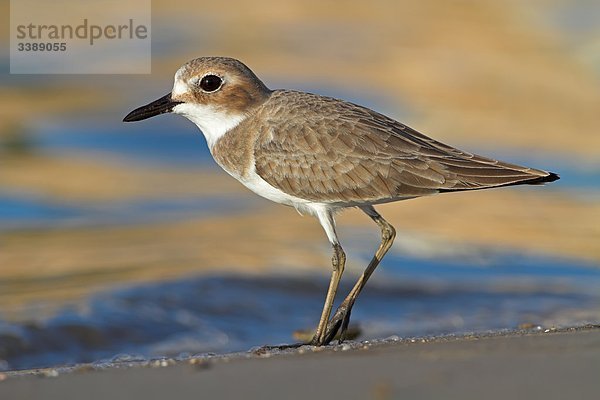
(327, 150)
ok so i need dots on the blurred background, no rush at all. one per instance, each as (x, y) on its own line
(126, 241)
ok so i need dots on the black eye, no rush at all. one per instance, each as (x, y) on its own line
(210, 83)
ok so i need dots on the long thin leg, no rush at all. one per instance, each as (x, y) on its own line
(338, 262)
(341, 318)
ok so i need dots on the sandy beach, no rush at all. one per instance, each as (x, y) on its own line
(548, 364)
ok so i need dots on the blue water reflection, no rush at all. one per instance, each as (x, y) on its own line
(410, 297)
(23, 212)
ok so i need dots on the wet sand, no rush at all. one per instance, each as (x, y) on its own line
(551, 364)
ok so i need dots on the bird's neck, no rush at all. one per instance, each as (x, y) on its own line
(213, 122)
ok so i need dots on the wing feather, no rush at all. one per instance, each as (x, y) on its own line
(332, 151)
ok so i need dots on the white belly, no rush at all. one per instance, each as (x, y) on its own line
(258, 185)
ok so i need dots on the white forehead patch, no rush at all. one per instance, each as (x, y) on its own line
(180, 86)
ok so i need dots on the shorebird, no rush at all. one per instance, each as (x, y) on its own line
(321, 155)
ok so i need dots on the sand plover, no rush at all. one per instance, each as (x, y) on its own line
(321, 155)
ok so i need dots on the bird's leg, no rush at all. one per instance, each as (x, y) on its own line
(338, 262)
(341, 318)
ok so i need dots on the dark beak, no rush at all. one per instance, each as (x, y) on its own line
(163, 105)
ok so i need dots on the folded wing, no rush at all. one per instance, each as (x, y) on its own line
(327, 150)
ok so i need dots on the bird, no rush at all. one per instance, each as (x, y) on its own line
(322, 155)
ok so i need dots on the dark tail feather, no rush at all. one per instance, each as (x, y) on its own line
(551, 177)
(537, 180)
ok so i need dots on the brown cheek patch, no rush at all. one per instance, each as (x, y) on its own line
(238, 100)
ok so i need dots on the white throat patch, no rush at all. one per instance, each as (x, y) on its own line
(211, 122)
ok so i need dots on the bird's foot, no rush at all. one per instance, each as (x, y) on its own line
(310, 339)
(337, 327)
(338, 324)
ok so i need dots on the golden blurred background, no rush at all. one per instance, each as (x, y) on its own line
(512, 79)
